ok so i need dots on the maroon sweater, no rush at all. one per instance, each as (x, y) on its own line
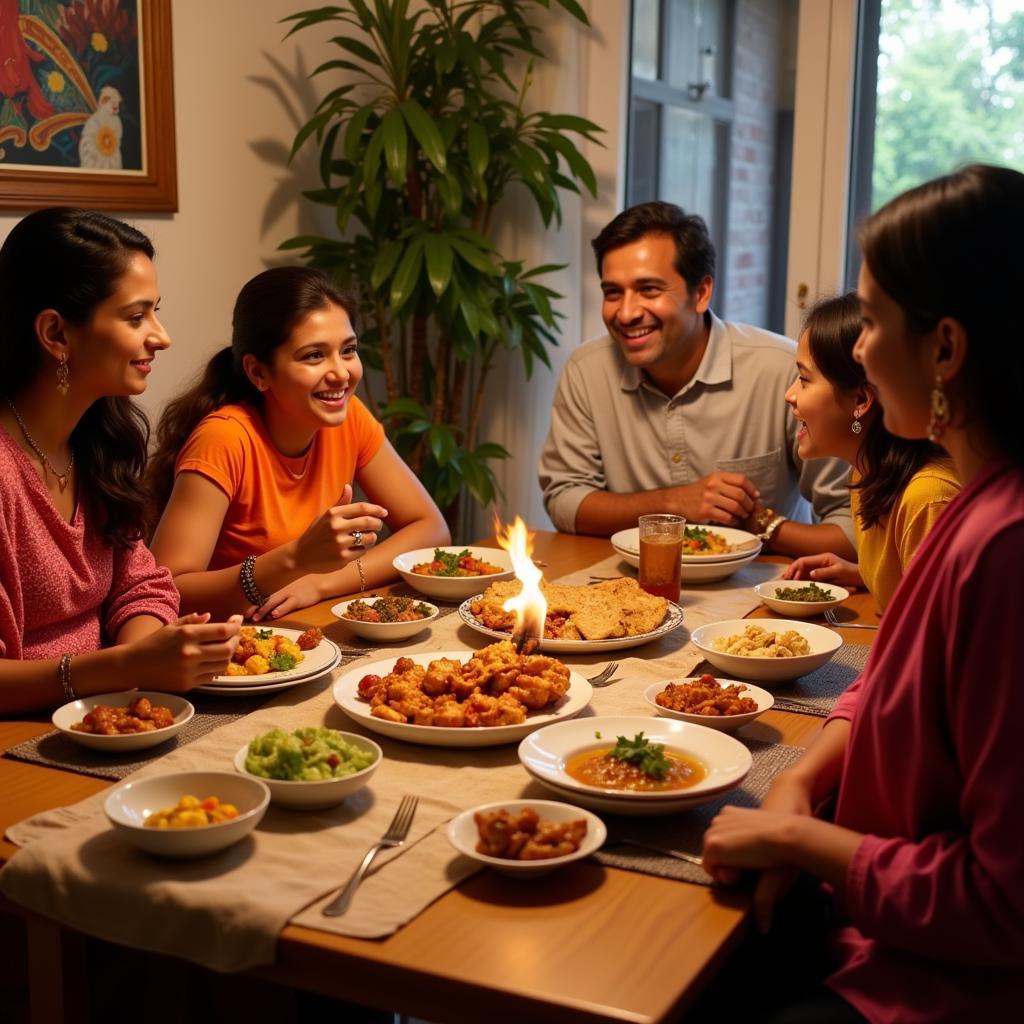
(934, 773)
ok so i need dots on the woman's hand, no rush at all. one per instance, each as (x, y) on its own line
(183, 654)
(300, 593)
(825, 568)
(329, 542)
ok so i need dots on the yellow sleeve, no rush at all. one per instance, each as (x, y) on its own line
(921, 504)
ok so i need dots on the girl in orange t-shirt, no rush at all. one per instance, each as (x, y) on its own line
(255, 464)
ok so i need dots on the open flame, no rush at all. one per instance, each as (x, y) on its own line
(529, 606)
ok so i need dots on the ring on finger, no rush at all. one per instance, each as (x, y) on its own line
(357, 538)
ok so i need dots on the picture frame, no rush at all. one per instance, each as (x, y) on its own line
(147, 180)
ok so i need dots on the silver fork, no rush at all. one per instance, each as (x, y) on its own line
(830, 618)
(604, 677)
(395, 836)
(664, 851)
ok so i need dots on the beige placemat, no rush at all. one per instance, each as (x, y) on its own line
(226, 911)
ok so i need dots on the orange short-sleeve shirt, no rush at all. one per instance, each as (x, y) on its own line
(273, 498)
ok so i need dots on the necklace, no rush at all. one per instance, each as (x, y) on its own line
(306, 458)
(62, 478)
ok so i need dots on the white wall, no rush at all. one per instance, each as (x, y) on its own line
(240, 95)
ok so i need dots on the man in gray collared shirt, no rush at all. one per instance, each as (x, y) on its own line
(678, 411)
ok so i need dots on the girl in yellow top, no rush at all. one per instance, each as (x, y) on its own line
(898, 488)
(256, 463)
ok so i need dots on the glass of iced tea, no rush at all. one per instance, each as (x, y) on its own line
(661, 553)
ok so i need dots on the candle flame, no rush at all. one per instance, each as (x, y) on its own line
(529, 606)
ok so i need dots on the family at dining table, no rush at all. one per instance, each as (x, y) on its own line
(879, 451)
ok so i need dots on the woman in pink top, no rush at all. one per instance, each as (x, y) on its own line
(84, 609)
(924, 856)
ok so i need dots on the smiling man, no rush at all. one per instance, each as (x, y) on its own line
(678, 411)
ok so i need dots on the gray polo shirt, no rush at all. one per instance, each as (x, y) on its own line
(613, 430)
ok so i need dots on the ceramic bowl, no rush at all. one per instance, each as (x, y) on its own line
(384, 632)
(799, 609)
(463, 835)
(724, 723)
(128, 806)
(452, 588)
(71, 714)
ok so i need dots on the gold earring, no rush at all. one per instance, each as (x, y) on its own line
(856, 426)
(939, 412)
(63, 375)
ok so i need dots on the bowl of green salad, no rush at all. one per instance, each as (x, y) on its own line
(800, 599)
(310, 768)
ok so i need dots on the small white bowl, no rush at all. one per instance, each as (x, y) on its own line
(128, 806)
(452, 588)
(384, 632)
(823, 643)
(320, 793)
(799, 609)
(724, 723)
(73, 713)
(463, 835)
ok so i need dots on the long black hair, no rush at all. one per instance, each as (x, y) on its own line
(886, 462)
(71, 260)
(952, 247)
(267, 310)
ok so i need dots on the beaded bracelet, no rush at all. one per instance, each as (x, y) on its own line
(64, 675)
(247, 576)
(362, 575)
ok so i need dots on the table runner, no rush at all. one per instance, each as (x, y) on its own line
(226, 911)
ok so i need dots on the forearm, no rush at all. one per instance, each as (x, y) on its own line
(796, 539)
(602, 513)
(137, 627)
(819, 848)
(35, 684)
(819, 768)
(219, 591)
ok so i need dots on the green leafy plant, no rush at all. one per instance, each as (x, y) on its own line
(419, 142)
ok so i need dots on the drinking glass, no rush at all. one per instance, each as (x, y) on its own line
(661, 553)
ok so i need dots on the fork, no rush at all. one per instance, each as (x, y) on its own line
(394, 836)
(604, 677)
(690, 858)
(830, 618)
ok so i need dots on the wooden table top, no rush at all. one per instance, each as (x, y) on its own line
(586, 943)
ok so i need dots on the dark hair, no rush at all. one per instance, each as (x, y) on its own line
(267, 310)
(952, 248)
(886, 462)
(695, 255)
(71, 260)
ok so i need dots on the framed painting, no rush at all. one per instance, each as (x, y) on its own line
(87, 105)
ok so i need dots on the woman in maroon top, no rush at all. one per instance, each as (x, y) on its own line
(84, 609)
(922, 754)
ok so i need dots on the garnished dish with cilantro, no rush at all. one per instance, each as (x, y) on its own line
(389, 609)
(261, 651)
(698, 540)
(812, 592)
(637, 765)
(456, 563)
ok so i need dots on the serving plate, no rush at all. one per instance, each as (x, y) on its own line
(673, 620)
(315, 662)
(452, 588)
(274, 685)
(743, 544)
(694, 573)
(346, 696)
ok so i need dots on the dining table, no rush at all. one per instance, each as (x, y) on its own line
(586, 943)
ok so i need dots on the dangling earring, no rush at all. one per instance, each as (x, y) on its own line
(856, 426)
(63, 375)
(940, 411)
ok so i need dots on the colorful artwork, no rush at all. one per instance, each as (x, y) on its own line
(70, 85)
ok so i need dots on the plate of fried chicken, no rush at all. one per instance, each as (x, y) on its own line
(462, 698)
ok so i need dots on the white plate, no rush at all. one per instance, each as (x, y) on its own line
(724, 723)
(71, 714)
(743, 543)
(314, 663)
(544, 754)
(707, 572)
(384, 632)
(673, 620)
(463, 834)
(272, 687)
(799, 609)
(823, 643)
(128, 806)
(346, 696)
(452, 588)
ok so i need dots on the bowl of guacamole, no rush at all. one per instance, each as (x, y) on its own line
(310, 767)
